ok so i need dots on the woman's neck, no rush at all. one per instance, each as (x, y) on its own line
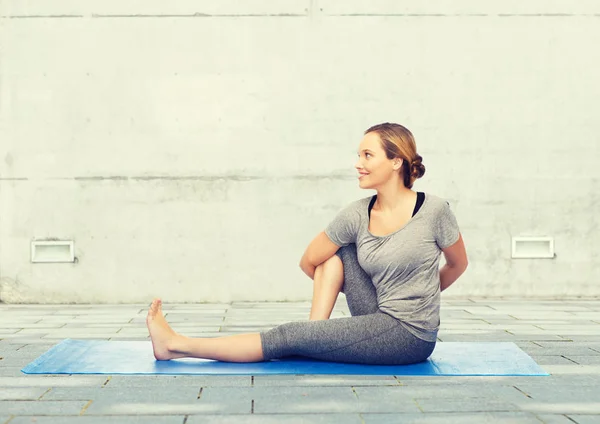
(390, 199)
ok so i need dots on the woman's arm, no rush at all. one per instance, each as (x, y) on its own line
(449, 274)
(456, 263)
(308, 269)
(317, 252)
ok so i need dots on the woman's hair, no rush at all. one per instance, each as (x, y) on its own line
(398, 142)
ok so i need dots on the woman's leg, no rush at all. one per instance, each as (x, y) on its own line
(327, 283)
(358, 287)
(342, 273)
(302, 338)
(167, 344)
(369, 339)
(365, 339)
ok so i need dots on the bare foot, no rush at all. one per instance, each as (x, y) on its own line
(161, 333)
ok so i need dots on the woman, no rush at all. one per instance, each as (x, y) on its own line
(382, 251)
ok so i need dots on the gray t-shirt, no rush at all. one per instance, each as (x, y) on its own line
(403, 265)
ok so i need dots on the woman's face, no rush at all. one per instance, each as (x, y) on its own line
(373, 165)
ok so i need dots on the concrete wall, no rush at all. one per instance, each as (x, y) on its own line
(192, 149)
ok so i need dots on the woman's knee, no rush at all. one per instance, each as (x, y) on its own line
(333, 264)
(332, 269)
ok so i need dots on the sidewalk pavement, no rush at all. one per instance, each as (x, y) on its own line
(562, 336)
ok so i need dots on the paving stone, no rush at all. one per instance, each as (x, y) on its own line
(569, 334)
(593, 315)
(129, 419)
(385, 399)
(445, 381)
(554, 419)
(9, 320)
(570, 325)
(528, 345)
(21, 393)
(15, 319)
(201, 313)
(144, 331)
(473, 404)
(546, 314)
(303, 312)
(10, 371)
(582, 337)
(566, 348)
(196, 306)
(535, 306)
(445, 315)
(585, 419)
(99, 323)
(547, 393)
(466, 390)
(188, 325)
(538, 333)
(268, 400)
(453, 418)
(70, 332)
(133, 381)
(58, 338)
(18, 360)
(8, 349)
(57, 318)
(572, 369)
(128, 338)
(324, 380)
(276, 418)
(564, 407)
(213, 320)
(27, 333)
(483, 337)
(497, 337)
(485, 332)
(159, 394)
(492, 327)
(249, 329)
(36, 326)
(585, 360)
(53, 381)
(26, 407)
(550, 322)
(22, 340)
(271, 305)
(96, 324)
(552, 360)
(260, 321)
(221, 406)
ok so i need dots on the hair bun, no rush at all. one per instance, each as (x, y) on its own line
(416, 167)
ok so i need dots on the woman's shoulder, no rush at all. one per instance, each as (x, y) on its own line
(359, 202)
(435, 201)
(353, 206)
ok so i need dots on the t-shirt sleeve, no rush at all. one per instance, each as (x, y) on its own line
(344, 227)
(446, 227)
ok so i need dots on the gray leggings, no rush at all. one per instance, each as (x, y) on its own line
(369, 336)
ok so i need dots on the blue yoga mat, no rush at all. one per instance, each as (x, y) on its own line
(136, 357)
